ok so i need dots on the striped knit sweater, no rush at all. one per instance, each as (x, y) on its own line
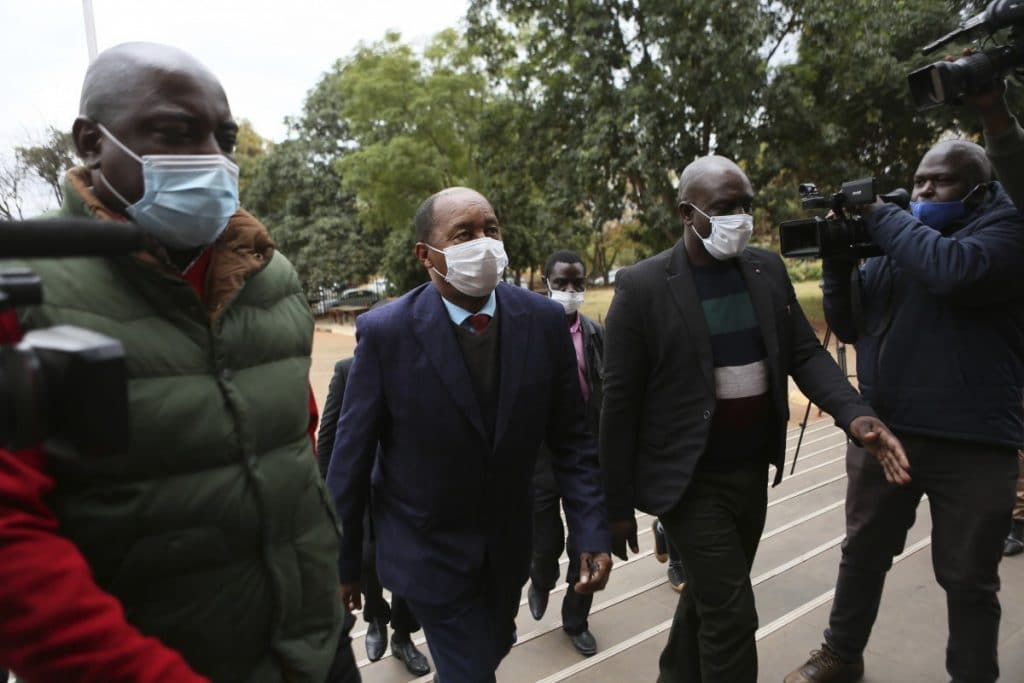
(743, 425)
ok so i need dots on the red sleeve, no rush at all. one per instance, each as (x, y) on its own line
(314, 418)
(57, 624)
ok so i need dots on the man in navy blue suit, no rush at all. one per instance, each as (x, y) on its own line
(460, 381)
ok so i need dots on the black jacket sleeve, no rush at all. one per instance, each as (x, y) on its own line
(625, 386)
(329, 419)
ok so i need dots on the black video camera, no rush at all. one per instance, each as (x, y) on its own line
(839, 234)
(64, 387)
(946, 82)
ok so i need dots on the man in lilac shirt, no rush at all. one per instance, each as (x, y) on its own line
(565, 278)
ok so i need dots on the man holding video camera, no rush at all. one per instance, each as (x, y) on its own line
(938, 323)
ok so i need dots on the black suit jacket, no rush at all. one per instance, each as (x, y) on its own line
(329, 419)
(659, 384)
(450, 500)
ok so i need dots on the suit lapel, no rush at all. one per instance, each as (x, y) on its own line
(684, 291)
(514, 319)
(433, 328)
(761, 298)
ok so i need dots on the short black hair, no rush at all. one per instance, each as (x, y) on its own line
(424, 220)
(563, 256)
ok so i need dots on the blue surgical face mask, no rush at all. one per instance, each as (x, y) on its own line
(187, 198)
(941, 215)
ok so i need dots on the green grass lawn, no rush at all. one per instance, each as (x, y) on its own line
(807, 293)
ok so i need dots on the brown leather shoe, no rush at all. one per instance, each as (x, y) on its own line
(825, 666)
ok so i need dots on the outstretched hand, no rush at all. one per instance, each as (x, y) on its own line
(884, 446)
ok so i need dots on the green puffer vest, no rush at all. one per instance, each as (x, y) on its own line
(213, 528)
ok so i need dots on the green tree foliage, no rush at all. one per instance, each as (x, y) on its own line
(48, 160)
(574, 118)
(628, 92)
(415, 124)
(842, 109)
(250, 148)
(298, 195)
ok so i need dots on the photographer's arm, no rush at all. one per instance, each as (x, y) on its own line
(1004, 139)
(836, 298)
(1006, 150)
(57, 624)
(821, 380)
(984, 265)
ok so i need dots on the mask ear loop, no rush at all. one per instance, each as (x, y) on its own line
(110, 136)
(984, 187)
(693, 226)
(124, 148)
(440, 251)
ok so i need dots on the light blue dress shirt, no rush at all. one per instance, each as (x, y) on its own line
(459, 314)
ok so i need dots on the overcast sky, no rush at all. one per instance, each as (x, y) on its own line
(267, 54)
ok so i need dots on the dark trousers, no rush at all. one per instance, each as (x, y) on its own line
(376, 607)
(548, 542)
(716, 527)
(970, 491)
(468, 638)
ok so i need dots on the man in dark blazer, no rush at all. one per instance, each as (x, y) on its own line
(700, 340)
(566, 280)
(377, 613)
(459, 381)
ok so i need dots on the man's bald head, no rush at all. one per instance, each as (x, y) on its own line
(952, 171)
(122, 73)
(443, 200)
(703, 174)
(152, 100)
(710, 186)
(967, 158)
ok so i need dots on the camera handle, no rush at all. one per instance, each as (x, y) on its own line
(841, 361)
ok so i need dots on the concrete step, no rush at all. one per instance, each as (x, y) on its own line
(794, 576)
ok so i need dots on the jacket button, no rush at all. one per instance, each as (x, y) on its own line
(707, 414)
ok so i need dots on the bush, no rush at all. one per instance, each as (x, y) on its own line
(801, 270)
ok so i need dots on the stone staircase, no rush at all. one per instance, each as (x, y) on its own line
(794, 579)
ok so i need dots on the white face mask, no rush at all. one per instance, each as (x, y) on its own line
(729, 234)
(474, 268)
(571, 301)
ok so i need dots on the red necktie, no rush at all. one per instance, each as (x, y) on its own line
(479, 322)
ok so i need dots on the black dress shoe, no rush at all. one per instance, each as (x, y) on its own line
(376, 639)
(584, 643)
(538, 601)
(403, 648)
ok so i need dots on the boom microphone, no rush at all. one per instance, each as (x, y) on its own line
(68, 237)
